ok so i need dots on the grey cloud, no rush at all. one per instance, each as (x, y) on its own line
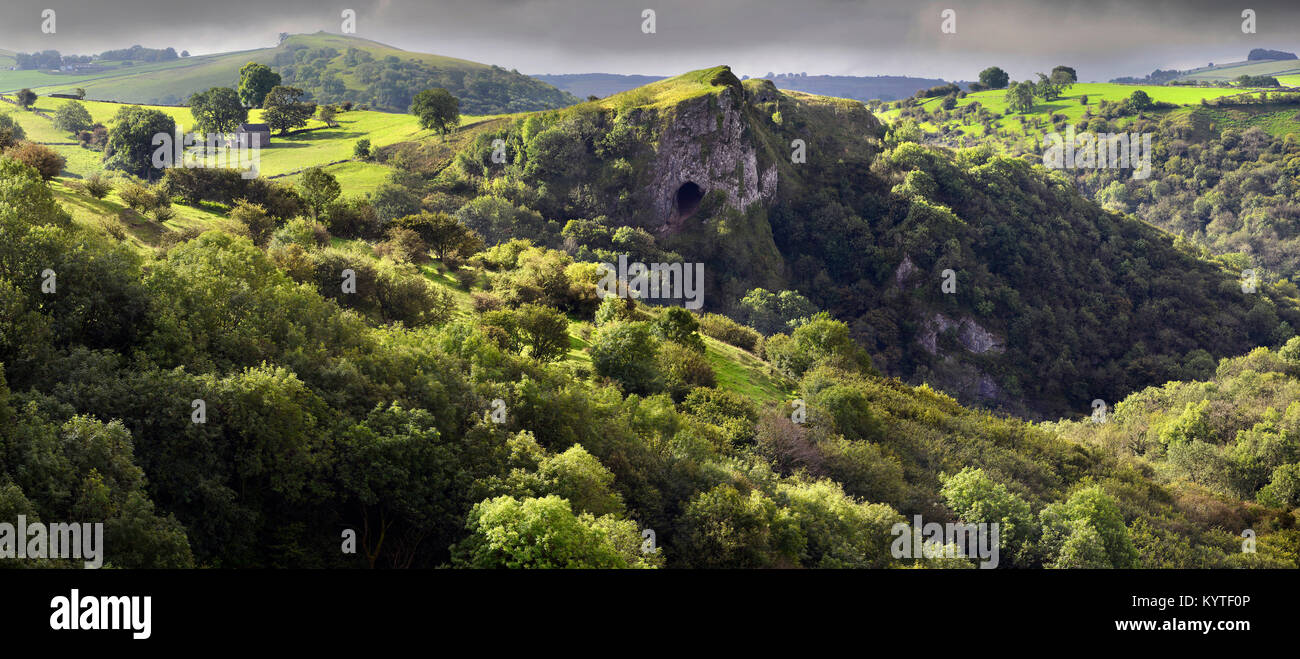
(1103, 39)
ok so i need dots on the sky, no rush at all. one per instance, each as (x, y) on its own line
(1101, 39)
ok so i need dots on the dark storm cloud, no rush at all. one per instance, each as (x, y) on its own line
(1102, 39)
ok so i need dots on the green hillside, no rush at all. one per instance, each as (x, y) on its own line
(1069, 105)
(287, 155)
(377, 405)
(1231, 71)
(332, 68)
(866, 235)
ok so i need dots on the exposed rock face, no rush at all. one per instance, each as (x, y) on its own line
(708, 143)
(905, 270)
(972, 337)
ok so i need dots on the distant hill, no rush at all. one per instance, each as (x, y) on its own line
(583, 85)
(1260, 62)
(330, 67)
(861, 88)
(1265, 54)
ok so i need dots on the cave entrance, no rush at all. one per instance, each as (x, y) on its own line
(688, 199)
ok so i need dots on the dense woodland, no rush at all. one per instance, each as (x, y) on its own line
(390, 83)
(475, 402)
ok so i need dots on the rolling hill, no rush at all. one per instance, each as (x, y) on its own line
(1230, 71)
(332, 68)
(866, 232)
(861, 88)
(358, 417)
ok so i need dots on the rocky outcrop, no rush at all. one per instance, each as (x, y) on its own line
(972, 337)
(707, 142)
(904, 271)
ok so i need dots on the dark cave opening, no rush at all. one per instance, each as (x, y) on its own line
(688, 199)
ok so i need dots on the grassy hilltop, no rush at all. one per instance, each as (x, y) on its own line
(331, 67)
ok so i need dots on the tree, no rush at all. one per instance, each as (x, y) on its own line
(437, 109)
(255, 220)
(284, 109)
(319, 188)
(392, 201)
(218, 110)
(130, 145)
(362, 149)
(977, 499)
(994, 78)
(327, 114)
(679, 326)
(80, 92)
(626, 352)
(1047, 88)
(45, 160)
(444, 234)
(11, 132)
(1139, 100)
(544, 533)
(822, 340)
(1064, 75)
(1087, 513)
(255, 82)
(543, 330)
(770, 312)
(72, 117)
(1020, 97)
(26, 98)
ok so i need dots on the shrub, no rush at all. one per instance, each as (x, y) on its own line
(403, 245)
(255, 219)
(301, 231)
(163, 213)
(627, 353)
(729, 331)
(11, 131)
(683, 369)
(136, 196)
(97, 186)
(72, 117)
(45, 160)
(484, 302)
(353, 218)
(679, 326)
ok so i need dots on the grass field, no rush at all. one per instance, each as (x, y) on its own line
(1070, 104)
(1231, 71)
(174, 81)
(287, 155)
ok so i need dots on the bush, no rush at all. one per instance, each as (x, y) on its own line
(683, 369)
(97, 186)
(137, 196)
(679, 326)
(353, 218)
(255, 220)
(627, 353)
(729, 331)
(403, 245)
(163, 213)
(72, 117)
(362, 149)
(484, 302)
(544, 331)
(45, 160)
(301, 231)
(11, 132)
(614, 309)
